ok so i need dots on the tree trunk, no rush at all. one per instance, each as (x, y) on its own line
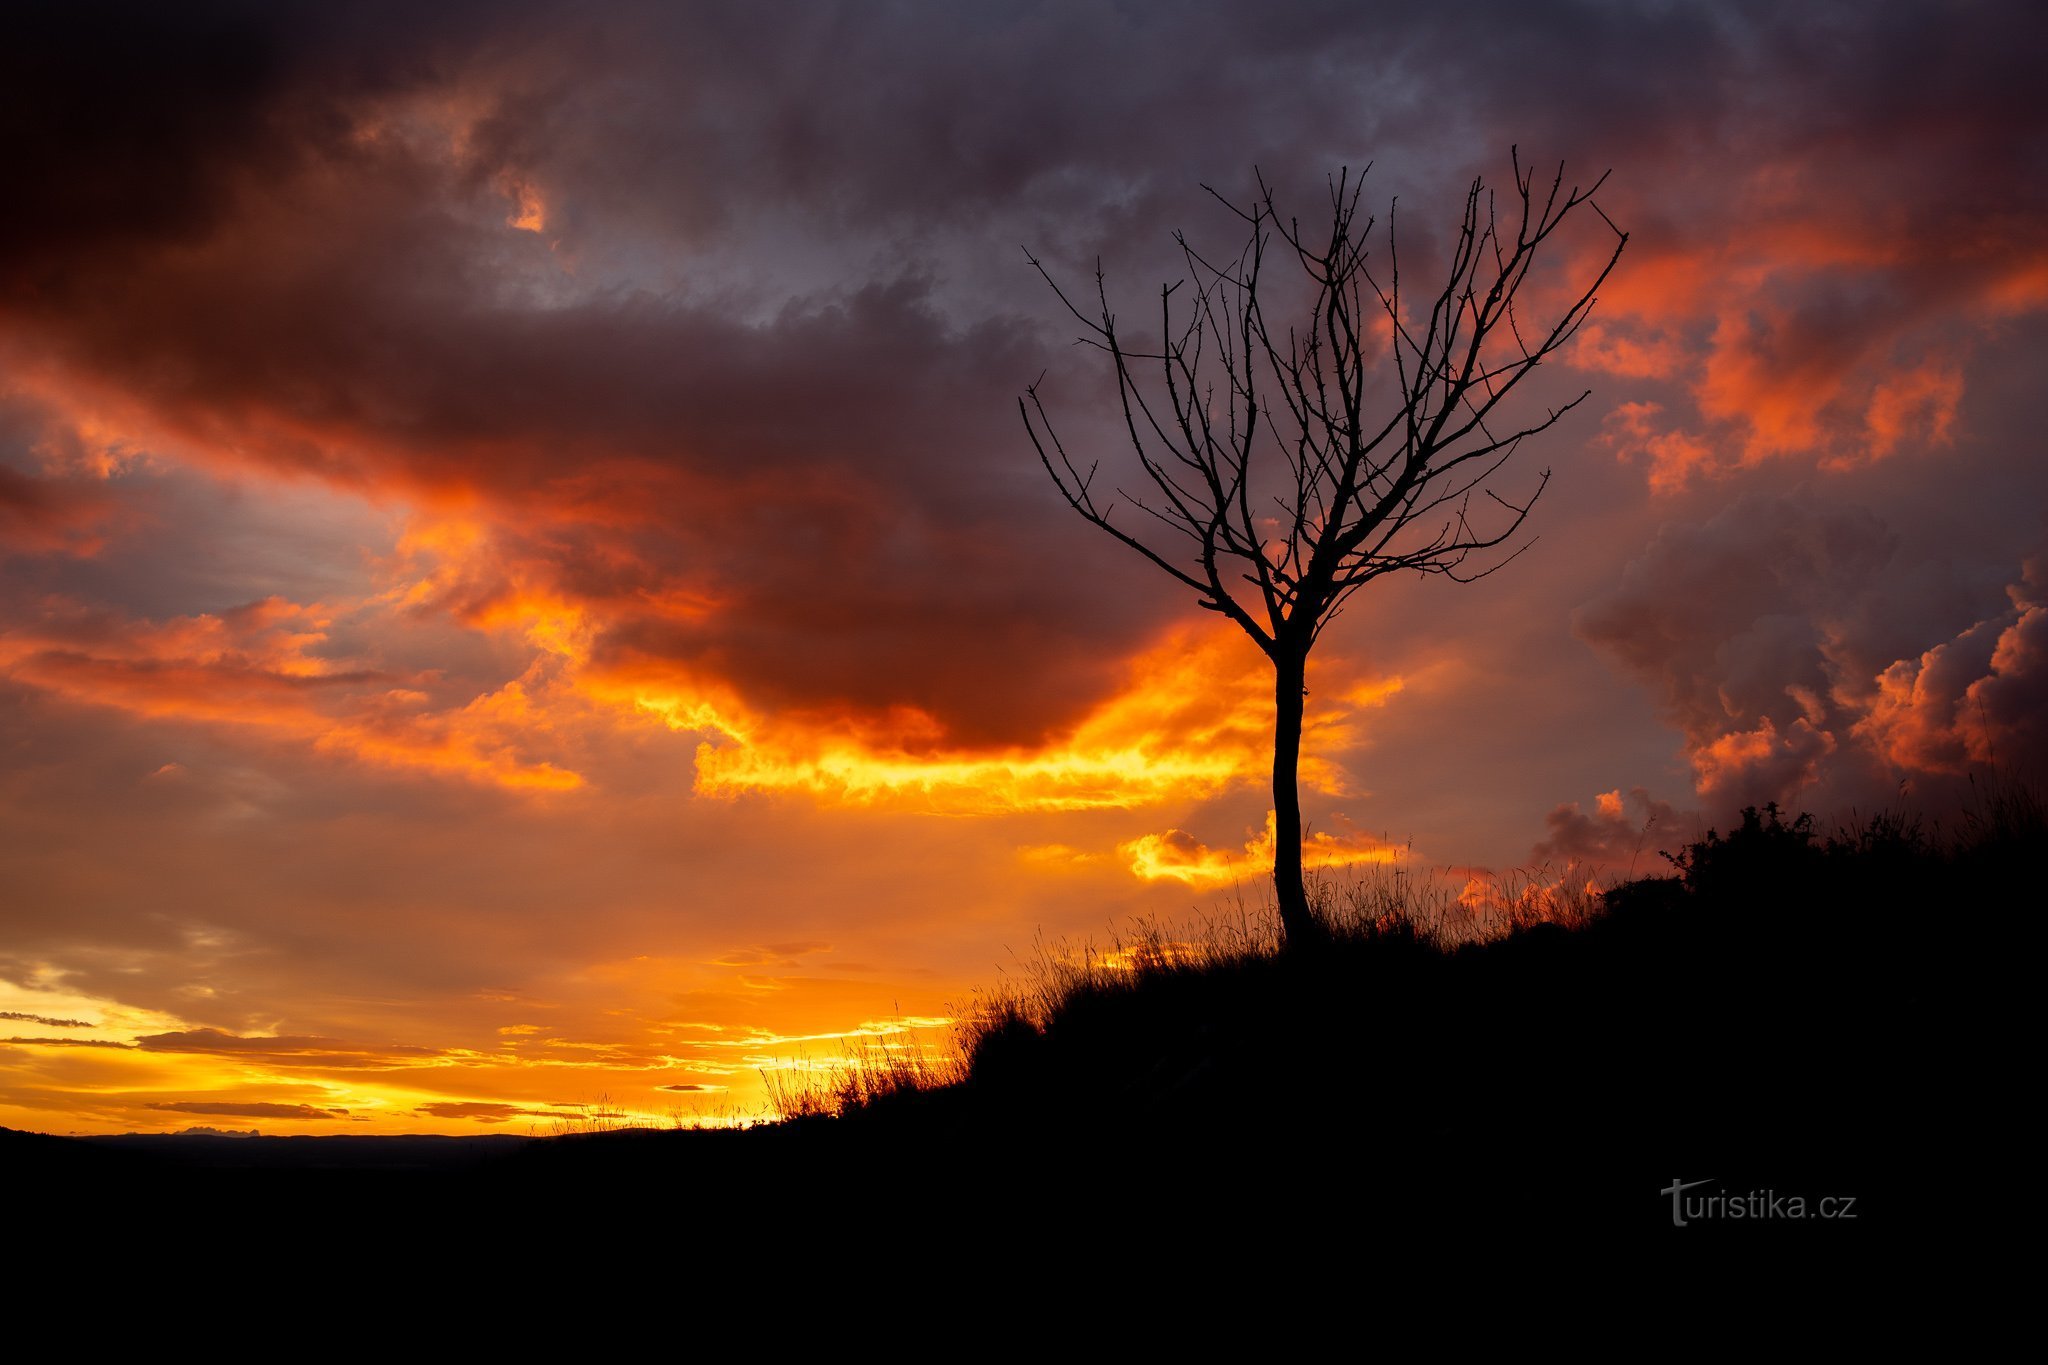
(1298, 925)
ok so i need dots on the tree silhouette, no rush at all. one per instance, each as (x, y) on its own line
(1291, 467)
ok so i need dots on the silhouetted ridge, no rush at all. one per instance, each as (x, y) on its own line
(1789, 1005)
(1787, 1011)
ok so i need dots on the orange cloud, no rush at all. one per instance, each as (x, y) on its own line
(529, 210)
(1633, 431)
(1609, 840)
(53, 516)
(1190, 718)
(1180, 856)
(1747, 765)
(1969, 703)
(1193, 718)
(257, 1109)
(1494, 904)
(254, 668)
(1634, 352)
(1918, 402)
(661, 1038)
(1802, 320)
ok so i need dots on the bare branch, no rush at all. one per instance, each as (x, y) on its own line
(1292, 465)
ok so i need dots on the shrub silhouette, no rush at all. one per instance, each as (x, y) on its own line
(1765, 851)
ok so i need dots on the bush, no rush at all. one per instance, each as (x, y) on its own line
(1764, 851)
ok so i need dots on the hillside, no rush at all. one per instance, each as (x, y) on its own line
(1789, 1012)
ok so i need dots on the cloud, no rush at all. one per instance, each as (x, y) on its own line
(1193, 717)
(257, 1109)
(254, 666)
(1181, 857)
(605, 410)
(1634, 430)
(1733, 624)
(285, 1050)
(1973, 703)
(44, 1020)
(44, 515)
(480, 1111)
(1843, 244)
(1749, 767)
(65, 1042)
(1768, 634)
(1608, 838)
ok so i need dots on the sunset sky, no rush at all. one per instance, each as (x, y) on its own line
(522, 581)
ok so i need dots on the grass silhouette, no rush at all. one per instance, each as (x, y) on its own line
(1787, 1009)
(1786, 1006)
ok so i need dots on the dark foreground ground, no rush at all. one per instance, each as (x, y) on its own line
(1808, 1030)
(1365, 1185)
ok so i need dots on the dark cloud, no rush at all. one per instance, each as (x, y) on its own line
(1802, 658)
(127, 115)
(66, 1042)
(38, 514)
(1727, 619)
(630, 445)
(286, 1049)
(50, 504)
(839, 475)
(250, 1110)
(44, 1020)
(478, 1111)
(1620, 837)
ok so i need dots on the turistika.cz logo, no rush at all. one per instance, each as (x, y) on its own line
(1757, 1205)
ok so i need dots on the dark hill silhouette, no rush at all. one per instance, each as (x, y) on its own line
(1788, 1012)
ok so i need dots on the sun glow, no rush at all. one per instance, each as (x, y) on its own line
(1193, 719)
(529, 210)
(1181, 857)
(109, 1068)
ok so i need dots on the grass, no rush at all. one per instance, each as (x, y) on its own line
(599, 1116)
(1379, 904)
(868, 1072)
(1377, 911)
(1785, 997)
(1806, 1011)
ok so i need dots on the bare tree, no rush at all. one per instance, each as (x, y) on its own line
(1291, 466)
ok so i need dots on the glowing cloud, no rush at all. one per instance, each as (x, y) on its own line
(1180, 856)
(1973, 702)
(254, 668)
(1194, 718)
